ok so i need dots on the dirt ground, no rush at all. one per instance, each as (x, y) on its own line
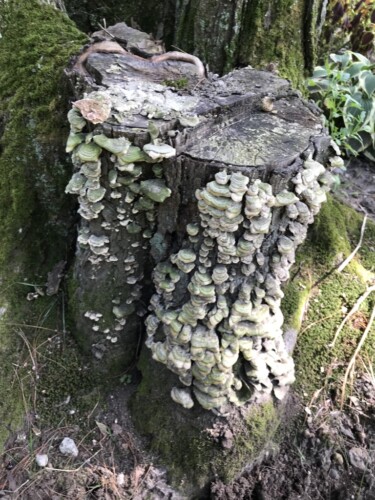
(327, 453)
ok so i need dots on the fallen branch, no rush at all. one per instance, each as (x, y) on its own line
(353, 310)
(74, 470)
(358, 349)
(343, 265)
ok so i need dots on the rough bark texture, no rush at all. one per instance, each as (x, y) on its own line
(225, 34)
(238, 132)
(205, 128)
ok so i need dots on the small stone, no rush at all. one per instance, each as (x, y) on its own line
(334, 474)
(68, 447)
(227, 440)
(41, 459)
(338, 458)
(116, 429)
(21, 438)
(120, 479)
(359, 458)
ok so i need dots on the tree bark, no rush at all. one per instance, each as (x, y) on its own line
(157, 197)
(225, 34)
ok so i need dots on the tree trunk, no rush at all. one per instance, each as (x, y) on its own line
(214, 179)
(225, 34)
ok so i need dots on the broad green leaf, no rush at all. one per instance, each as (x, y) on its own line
(345, 88)
(345, 76)
(361, 58)
(355, 68)
(369, 85)
(341, 58)
(366, 139)
(319, 71)
(370, 153)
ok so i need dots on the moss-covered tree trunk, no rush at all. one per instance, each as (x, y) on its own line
(36, 217)
(224, 34)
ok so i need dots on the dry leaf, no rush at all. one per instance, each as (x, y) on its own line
(94, 110)
(103, 428)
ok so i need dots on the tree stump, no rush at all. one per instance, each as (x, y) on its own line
(194, 194)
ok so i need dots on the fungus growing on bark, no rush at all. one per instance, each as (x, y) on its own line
(231, 319)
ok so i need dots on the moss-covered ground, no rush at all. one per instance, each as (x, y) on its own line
(322, 297)
(35, 46)
(192, 456)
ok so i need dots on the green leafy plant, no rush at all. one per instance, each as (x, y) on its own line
(345, 89)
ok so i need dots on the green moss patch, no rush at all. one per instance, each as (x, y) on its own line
(35, 47)
(194, 456)
(267, 37)
(328, 295)
(37, 42)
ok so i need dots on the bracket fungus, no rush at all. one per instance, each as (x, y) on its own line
(214, 317)
(230, 321)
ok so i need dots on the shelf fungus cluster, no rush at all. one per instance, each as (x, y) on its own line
(215, 317)
(119, 186)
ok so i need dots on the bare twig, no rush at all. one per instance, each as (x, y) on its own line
(106, 31)
(78, 468)
(353, 310)
(343, 265)
(321, 320)
(178, 48)
(27, 344)
(31, 326)
(353, 358)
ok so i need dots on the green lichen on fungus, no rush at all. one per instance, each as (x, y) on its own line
(329, 295)
(193, 457)
(35, 47)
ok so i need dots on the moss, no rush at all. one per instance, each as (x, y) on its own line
(68, 388)
(35, 47)
(32, 163)
(329, 238)
(180, 84)
(330, 295)
(294, 303)
(313, 9)
(192, 456)
(273, 32)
